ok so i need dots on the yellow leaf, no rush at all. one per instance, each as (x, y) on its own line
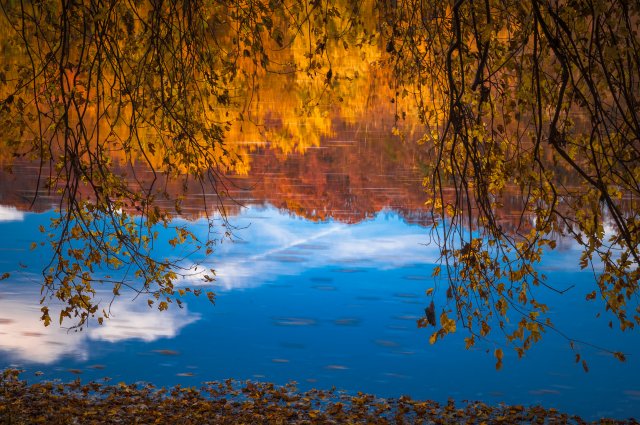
(620, 356)
(469, 342)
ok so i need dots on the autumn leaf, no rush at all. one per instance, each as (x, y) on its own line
(430, 313)
(498, 355)
(620, 356)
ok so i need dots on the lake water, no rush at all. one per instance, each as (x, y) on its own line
(326, 293)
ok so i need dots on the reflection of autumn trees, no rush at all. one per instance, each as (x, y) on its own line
(354, 174)
(117, 102)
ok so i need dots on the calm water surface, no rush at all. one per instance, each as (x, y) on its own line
(325, 303)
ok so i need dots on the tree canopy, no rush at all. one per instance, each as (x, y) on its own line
(533, 99)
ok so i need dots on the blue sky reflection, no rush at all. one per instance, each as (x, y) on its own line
(323, 304)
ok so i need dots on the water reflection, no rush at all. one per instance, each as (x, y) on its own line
(284, 245)
(343, 313)
(8, 213)
(24, 338)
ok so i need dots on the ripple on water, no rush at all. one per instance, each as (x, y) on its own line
(416, 277)
(408, 295)
(293, 345)
(294, 321)
(632, 394)
(288, 258)
(398, 327)
(347, 321)
(385, 343)
(336, 367)
(406, 317)
(404, 353)
(544, 391)
(321, 279)
(396, 375)
(349, 270)
(368, 298)
(324, 287)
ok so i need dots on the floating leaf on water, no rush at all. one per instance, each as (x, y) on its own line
(620, 356)
(166, 352)
(96, 366)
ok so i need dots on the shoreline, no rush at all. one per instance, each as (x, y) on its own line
(244, 402)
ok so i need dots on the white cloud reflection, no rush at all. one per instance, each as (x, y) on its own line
(276, 244)
(135, 320)
(10, 214)
(25, 338)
